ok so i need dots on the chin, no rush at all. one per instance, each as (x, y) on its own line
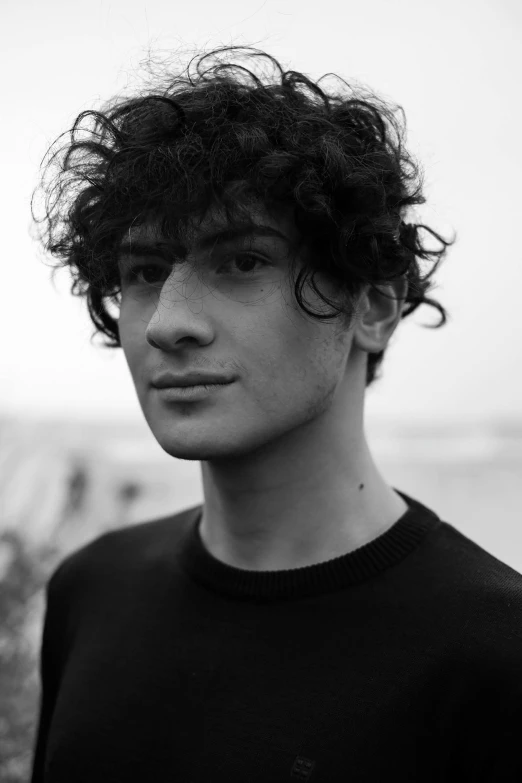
(185, 442)
(192, 445)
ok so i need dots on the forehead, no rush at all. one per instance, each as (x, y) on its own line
(215, 221)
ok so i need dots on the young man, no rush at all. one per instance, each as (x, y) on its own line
(307, 621)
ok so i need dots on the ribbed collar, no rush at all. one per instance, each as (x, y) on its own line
(292, 584)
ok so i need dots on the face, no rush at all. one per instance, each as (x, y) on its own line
(228, 308)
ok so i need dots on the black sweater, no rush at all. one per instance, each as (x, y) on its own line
(400, 661)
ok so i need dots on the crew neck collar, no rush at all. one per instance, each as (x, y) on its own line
(357, 566)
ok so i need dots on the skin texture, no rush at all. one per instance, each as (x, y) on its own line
(288, 478)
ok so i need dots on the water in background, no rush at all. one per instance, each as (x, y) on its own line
(63, 482)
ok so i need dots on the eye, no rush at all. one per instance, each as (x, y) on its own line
(138, 273)
(243, 259)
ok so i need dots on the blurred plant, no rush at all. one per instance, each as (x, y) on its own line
(23, 572)
(76, 491)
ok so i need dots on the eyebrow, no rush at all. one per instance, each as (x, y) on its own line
(130, 247)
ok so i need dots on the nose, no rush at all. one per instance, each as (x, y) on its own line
(178, 313)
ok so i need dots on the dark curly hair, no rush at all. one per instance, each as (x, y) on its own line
(210, 134)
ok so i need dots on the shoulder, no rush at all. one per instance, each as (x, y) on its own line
(477, 598)
(119, 553)
(476, 573)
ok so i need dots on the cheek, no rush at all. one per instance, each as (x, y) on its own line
(296, 372)
(133, 343)
(127, 339)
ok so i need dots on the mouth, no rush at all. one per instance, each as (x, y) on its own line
(193, 393)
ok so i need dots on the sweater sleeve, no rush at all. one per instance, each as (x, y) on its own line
(51, 652)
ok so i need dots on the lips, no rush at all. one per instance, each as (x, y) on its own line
(168, 379)
(198, 393)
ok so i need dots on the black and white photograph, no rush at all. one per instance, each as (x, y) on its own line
(261, 392)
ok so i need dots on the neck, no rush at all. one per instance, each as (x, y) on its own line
(310, 496)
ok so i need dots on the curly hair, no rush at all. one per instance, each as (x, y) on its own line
(211, 133)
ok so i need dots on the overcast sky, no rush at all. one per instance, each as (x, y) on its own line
(455, 67)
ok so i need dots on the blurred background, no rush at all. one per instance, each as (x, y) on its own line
(445, 420)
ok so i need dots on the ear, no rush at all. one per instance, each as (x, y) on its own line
(379, 313)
